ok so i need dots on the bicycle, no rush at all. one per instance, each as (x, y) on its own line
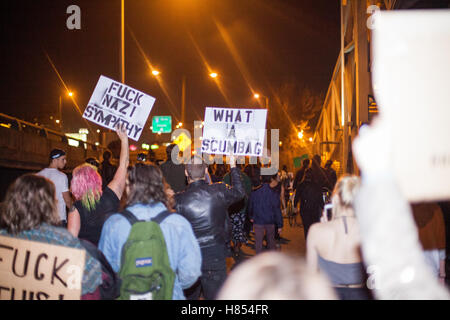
(326, 195)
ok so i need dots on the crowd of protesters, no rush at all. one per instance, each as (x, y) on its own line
(214, 211)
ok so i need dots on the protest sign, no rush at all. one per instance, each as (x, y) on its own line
(411, 71)
(32, 270)
(237, 131)
(115, 103)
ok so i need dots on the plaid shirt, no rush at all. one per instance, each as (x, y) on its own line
(92, 274)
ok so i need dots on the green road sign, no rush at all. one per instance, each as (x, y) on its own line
(162, 124)
(298, 160)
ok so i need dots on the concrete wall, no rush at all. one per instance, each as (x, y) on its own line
(28, 151)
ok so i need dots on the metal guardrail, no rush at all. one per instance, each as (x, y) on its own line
(24, 126)
(26, 146)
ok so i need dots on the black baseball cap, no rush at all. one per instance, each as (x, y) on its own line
(93, 161)
(56, 153)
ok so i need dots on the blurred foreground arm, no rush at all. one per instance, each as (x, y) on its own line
(389, 240)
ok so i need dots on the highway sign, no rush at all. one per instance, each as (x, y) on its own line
(162, 124)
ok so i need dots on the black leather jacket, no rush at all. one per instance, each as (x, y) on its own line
(205, 206)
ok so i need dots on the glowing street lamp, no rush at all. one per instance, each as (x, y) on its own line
(300, 135)
(183, 90)
(60, 120)
(257, 96)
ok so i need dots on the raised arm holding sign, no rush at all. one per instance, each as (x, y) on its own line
(113, 103)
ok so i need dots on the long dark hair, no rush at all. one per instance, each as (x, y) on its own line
(146, 185)
(29, 202)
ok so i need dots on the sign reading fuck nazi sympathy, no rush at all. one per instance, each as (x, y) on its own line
(234, 131)
(113, 103)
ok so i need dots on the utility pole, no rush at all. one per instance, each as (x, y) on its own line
(183, 98)
(122, 41)
(60, 113)
(344, 122)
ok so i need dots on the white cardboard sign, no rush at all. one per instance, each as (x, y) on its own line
(237, 131)
(411, 76)
(113, 103)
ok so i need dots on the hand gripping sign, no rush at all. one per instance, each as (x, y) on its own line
(32, 270)
(234, 131)
(115, 103)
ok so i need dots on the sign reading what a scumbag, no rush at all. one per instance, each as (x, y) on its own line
(113, 103)
(234, 131)
(32, 270)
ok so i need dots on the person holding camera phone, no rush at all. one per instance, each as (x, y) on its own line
(333, 246)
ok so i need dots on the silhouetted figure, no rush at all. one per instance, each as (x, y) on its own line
(331, 174)
(107, 170)
(174, 173)
(300, 173)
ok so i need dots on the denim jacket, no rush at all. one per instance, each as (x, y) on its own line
(182, 246)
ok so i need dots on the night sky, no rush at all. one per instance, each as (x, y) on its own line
(254, 46)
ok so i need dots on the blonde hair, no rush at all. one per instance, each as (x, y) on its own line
(344, 194)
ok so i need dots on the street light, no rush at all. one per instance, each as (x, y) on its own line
(257, 96)
(183, 91)
(60, 122)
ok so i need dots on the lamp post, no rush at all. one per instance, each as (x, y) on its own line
(183, 94)
(60, 120)
(122, 40)
(257, 96)
(183, 91)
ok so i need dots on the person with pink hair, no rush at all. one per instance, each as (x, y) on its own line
(92, 205)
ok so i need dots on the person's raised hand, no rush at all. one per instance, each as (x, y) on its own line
(121, 132)
(232, 160)
(372, 149)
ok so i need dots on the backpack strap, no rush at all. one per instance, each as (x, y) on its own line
(161, 216)
(158, 219)
(130, 216)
